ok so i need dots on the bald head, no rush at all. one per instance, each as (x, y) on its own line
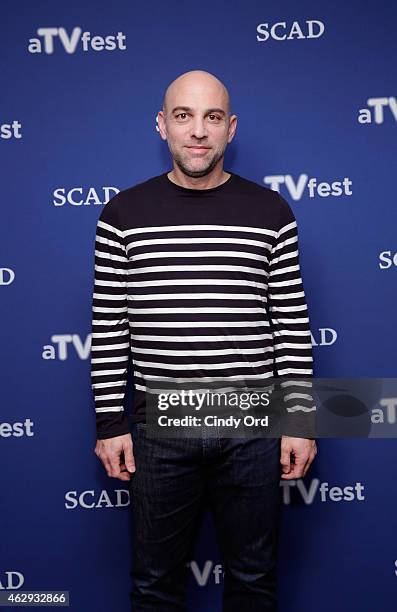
(198, 83)
(196, 123)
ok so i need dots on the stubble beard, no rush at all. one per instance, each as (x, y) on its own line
(197, 173)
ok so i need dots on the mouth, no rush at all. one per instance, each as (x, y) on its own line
(198, 149)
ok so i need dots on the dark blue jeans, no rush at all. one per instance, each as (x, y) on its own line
(239, 478)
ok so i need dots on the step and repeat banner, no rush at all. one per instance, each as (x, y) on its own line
(314, 88)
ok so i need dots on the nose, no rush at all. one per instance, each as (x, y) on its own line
(198, 128)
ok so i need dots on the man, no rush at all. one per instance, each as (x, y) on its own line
(197, 276)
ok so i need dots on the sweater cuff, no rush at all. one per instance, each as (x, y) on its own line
(112, 424)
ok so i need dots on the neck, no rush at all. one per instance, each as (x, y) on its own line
(203, 182)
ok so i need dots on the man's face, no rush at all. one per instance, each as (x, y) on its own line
(197, 127)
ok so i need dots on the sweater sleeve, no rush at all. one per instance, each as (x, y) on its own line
(289, 320)
(110, 345)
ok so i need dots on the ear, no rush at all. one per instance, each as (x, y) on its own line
(232, 127)
(161, 125)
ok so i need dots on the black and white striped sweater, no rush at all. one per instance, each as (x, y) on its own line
(194, 284)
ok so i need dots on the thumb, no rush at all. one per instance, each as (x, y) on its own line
(285, 459)
(129, 458)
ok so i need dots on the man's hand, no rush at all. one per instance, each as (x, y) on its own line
(111, 452)
(304, 451)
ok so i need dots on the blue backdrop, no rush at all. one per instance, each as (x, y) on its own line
(314, 88)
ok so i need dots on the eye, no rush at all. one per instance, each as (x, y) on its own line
(179, 114)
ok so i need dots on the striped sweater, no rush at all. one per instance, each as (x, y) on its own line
(194, 284)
